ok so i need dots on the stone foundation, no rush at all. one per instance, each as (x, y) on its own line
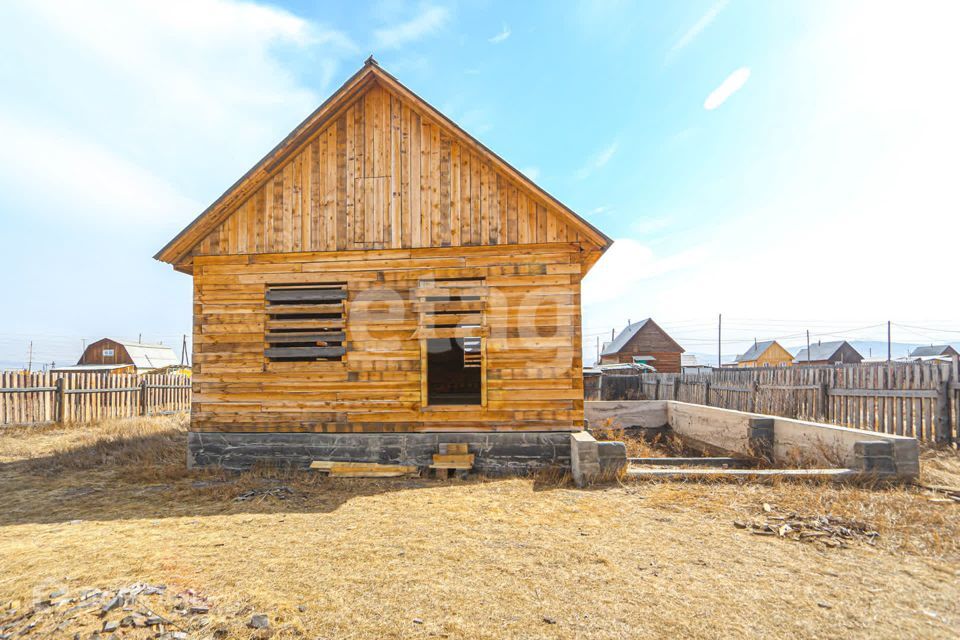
(497, 453)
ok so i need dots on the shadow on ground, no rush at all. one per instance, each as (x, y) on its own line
(145, 477)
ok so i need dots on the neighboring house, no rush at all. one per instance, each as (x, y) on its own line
(768, 353)
(120, 355)
(379, 283)
(934, 351)
(836, 352)
(646, 343)
(690, 365)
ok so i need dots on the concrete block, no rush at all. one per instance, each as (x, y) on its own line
(584, 458)
(612, 457)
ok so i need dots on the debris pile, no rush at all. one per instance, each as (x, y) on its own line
(139, 610)
(827, 530)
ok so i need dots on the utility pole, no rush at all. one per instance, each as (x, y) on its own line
(598, 351)
(808, 346)
(612, 329)
(183, 351)
(719, 342)
(139, 338)
(888, 341)
(30, 358)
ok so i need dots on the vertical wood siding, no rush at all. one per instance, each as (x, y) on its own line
(383, 175)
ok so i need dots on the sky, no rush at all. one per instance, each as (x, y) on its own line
(790, 165)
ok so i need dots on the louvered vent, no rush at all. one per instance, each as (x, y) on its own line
(305, 322)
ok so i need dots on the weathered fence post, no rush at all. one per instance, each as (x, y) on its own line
(143, 397)
(706, 392)
(60, 400)
(942, 413)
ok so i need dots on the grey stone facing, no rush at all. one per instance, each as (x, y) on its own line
(496, 453)
(874, 456)
(760, 438)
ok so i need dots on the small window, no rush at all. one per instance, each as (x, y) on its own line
(453, 371)
(452, 326)
(305, 322)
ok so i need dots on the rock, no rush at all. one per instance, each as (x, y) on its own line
(112, 604)
(200, 608)
(131, 621)
(549, 620)
(302, 608)
(57, 594)
(259, 621)
(153, 621)
(109, 625)
(417, 621)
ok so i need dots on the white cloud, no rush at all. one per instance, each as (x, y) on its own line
(626, 264)
(598, 160)
(694, 31)
(182, 92)
(430, 20)
(598, 210)
(727, 88)
(91, 183)
(500, 37)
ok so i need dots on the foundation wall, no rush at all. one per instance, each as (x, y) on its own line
(496, 453)
(809, 443)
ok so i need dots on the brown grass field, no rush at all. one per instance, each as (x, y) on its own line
(109, 505)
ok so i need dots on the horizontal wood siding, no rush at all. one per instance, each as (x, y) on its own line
(531, 320)
(383, 175)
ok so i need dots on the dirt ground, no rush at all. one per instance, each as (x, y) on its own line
(93, 509)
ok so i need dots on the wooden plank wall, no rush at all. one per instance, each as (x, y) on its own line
(45, 397)
(920, 400)
(384, 175)
(531, 342)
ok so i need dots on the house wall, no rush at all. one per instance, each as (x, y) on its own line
(774, 356)
(531, 347)
(650, 340)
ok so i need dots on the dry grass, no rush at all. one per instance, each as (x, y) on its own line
(109, 505)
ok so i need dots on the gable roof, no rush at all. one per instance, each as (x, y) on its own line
(142, 356)
(822, 351)
(629, 332)
(757, 350)
(932, 350)
(371, 73)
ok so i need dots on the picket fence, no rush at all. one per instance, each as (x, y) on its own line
(913, 399)
(37, 398)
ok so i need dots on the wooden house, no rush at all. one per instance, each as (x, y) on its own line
(768, 353)
(383, 274)
(933, 351)
(124, 356)
(835, 352)
(644, 342)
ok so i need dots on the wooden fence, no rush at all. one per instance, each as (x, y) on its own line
(913, 399)
(36, 398)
